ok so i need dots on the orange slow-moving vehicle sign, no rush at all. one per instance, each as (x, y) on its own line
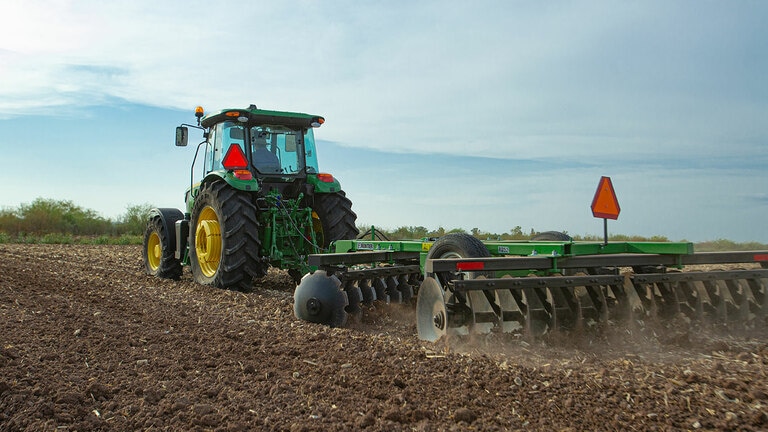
(604, 204)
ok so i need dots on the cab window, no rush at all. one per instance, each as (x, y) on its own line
(276, 150)
(223, 136)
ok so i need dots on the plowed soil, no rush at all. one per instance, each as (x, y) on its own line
(89, 342)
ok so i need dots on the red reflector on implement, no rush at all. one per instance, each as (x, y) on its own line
(761, 257)
(469, 265)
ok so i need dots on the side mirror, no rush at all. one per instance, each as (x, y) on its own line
(182, 133)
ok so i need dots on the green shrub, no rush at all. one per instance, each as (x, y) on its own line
(134, 221)
(101, 240)
(126, 239)
(25, 238)
(728, 245)
(56, 238)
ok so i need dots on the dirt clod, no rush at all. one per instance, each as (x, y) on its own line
(465, 415)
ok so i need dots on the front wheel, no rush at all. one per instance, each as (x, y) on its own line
(224, 246)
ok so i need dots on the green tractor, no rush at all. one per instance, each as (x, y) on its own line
(261, 201)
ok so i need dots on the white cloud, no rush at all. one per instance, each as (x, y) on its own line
(426, 77)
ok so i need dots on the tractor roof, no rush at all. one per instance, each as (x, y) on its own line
(257, 116)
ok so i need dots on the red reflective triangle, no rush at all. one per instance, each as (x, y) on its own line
(235, 158)
(604, 204)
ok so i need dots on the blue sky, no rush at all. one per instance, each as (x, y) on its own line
(487, 114)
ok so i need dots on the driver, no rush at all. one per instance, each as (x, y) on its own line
(263, 159)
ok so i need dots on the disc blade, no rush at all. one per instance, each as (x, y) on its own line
(431, 316)
(319, 299)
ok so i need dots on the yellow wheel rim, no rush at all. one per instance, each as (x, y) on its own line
(317, 227)
(208, 241)
(154, 251)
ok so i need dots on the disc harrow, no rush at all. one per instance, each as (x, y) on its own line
(463, 285)
(535, 305)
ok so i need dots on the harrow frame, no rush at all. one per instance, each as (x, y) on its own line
(536, 286)
(649, 289)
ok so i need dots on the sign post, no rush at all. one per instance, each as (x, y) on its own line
(605, 205)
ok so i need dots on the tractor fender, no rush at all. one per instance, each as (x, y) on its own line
(168, 216)
(243, 185)
(323, 186)
(219, 175)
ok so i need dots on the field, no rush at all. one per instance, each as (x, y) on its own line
(89, 342)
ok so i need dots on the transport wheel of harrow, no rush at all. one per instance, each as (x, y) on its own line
(319, 299)
(561, 237)
(455, 246)
(431, 315)
(458, 245)
(552, 236)
(158, 251)
(224, 241)
(333, 218)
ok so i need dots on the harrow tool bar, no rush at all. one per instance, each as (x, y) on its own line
(345, 259)
(490, 299)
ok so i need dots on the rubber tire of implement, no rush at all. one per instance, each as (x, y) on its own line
(559, 236)
(168, 266)
(239, 260)
(336, 218)
(458, 245)
(552, 236)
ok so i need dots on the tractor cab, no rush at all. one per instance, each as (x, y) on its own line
(263, 150)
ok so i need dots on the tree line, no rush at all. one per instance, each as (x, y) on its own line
(61, 221)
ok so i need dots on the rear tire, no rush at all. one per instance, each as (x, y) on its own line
(158, 252)
(224, 238)
(334, 218)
